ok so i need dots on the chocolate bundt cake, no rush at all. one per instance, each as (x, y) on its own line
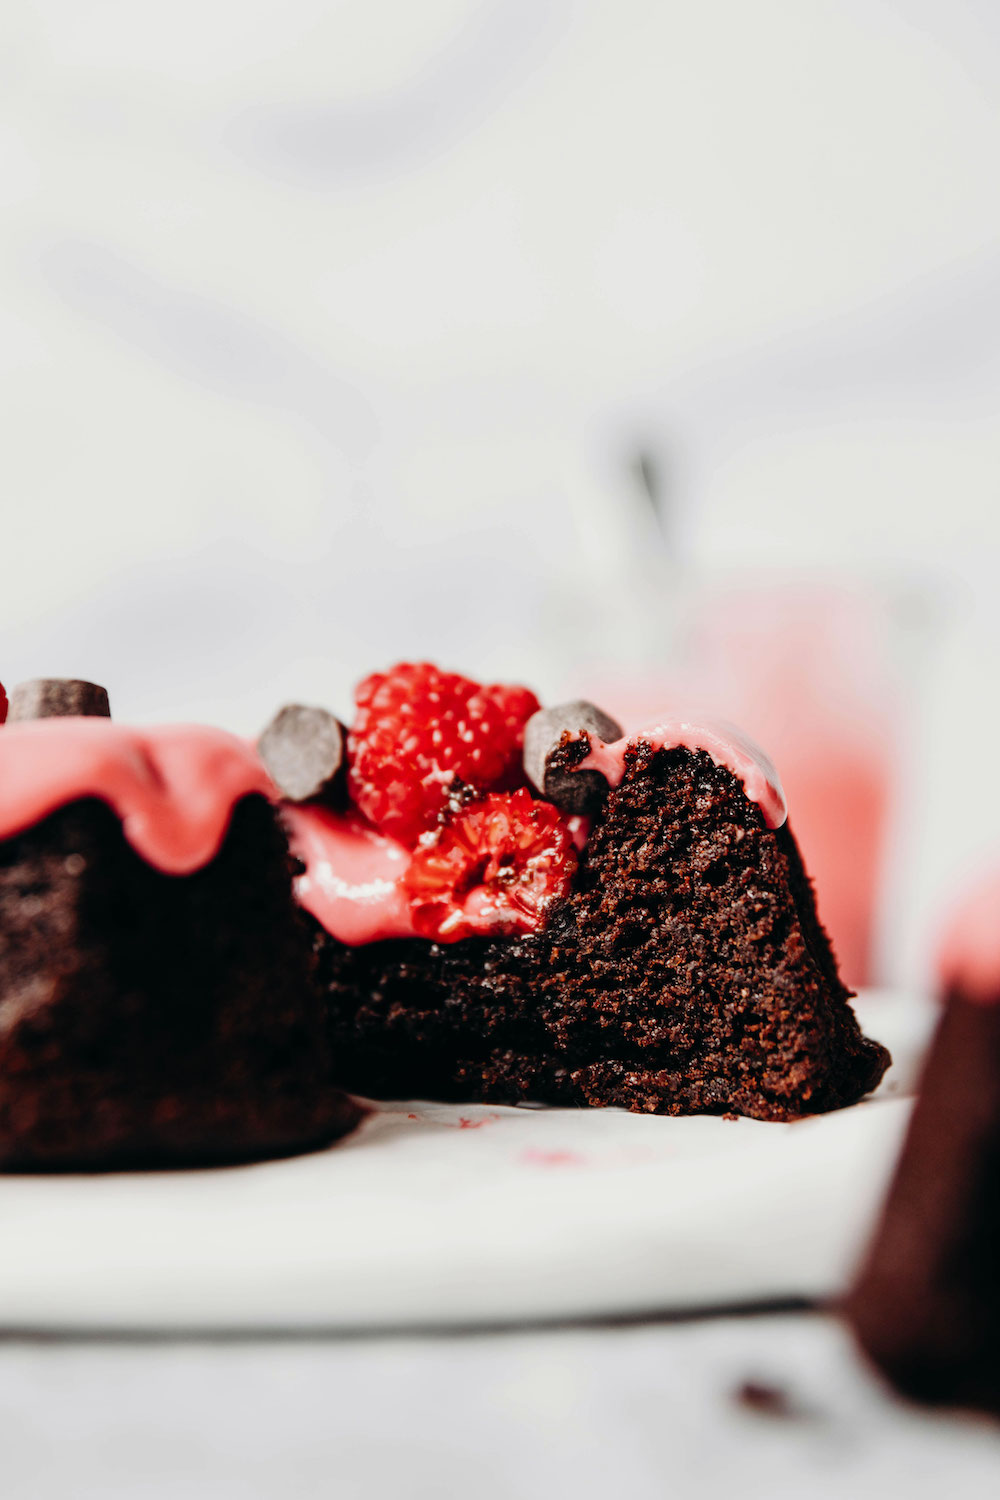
(157, 1002)
(513, 904)
(926, 1305)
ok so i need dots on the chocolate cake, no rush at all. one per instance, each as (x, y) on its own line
(157, 1001)
(511, 904)
(926, 1305)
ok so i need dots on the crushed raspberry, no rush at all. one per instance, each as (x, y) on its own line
(419, 733)
(491, 867)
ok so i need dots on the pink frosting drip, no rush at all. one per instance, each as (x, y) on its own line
(173, 787)
(968, 960)
(351, 883)
(727, 745)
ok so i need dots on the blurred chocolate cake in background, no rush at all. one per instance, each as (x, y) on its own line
(926, 1305)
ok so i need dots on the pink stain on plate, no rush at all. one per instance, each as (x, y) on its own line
(533, 1157)
(464, 1123)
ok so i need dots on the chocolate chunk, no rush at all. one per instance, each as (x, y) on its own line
(303, 750)
(555, 741)
(58, 698)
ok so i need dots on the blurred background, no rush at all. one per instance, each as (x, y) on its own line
(647, 349)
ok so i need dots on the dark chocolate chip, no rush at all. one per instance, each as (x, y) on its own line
(555, 741)
(58, 698)
(303, 749)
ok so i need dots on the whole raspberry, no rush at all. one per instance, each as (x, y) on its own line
(491, 867)
(417, 731)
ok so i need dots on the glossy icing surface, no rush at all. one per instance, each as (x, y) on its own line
(173, 786)
(725, 743)
(968, 961)
(353, 874)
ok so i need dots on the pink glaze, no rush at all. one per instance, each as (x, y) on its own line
(969, 955)
(173, 787)
(352, 881)
(727, 745)
(535, 1157)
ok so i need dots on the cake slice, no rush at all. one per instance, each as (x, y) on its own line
(926, 1305)
(512, 904)
(157, 1002)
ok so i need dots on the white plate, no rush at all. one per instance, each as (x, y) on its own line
(438, 1214)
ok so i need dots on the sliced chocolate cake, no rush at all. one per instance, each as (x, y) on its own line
(513, 904)
(926, 1306)
(157, 1003)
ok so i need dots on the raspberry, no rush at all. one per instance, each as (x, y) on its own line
(3, 705)
(418, 733)
(491, 867)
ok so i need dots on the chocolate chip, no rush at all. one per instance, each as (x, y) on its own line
(58, 698)
(303, 749)
(555, 741)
